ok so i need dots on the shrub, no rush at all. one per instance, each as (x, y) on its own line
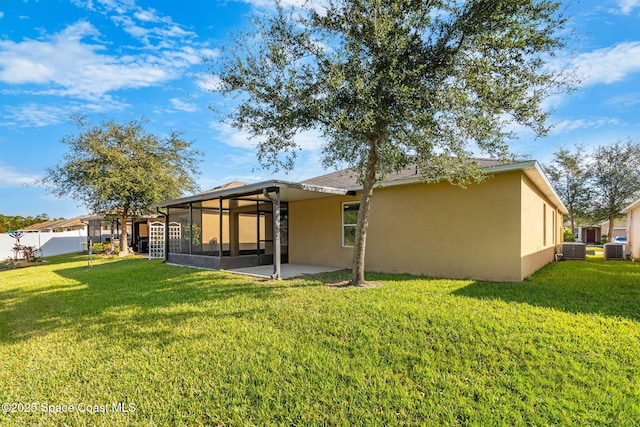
(100, 247)
(569, 236)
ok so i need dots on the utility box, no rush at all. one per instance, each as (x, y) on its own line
(616, 251)
(573, 250)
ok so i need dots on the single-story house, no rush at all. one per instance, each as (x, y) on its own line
(502, 229)
(56, 226)
(633, 227)
(102, 228)
(590, 234)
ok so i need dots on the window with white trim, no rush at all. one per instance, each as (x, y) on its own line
(349, 223)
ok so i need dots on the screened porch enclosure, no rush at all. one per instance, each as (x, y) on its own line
(227, 233)
(236, 226)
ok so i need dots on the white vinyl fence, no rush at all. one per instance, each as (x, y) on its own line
(49, 243)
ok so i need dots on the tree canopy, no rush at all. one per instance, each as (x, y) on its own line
(615, 173)
(569, 174)
(596, 186)
(393, 82)
(119, 168)
(17, 222)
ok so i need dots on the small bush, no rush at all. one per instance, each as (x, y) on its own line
(569, 236)
(101, 248)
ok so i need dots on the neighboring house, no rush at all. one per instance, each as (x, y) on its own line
(633, 232)
(102, 228)
(502, 229)
(590, 234)
(57, 226)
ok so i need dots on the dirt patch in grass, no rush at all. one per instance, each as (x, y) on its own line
(347, 284)
(21, 264)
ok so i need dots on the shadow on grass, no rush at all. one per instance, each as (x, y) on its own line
(108, 298)
(594, 286)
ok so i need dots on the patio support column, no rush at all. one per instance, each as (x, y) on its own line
(166, 235)
(276, 235)
(220, 224)
(190, 226)
(258, 230)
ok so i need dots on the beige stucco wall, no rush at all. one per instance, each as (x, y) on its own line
(633, 221)
(438, 230)
(541, 228)
(211, 229)
(242, 233)
(315, 232)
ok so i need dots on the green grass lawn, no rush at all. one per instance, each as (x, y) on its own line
(185, 347)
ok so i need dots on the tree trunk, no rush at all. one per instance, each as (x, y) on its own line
(124, 236)
(610, 234)
(572, 222)
(357, 274)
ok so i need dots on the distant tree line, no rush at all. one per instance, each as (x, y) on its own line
(596, 186)
(17, 222)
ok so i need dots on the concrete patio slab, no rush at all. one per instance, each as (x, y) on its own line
(287, 271)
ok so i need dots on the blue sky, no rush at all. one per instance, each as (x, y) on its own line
(125, 59)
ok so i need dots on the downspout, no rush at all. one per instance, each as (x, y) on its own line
(275, 201)
(166, 233)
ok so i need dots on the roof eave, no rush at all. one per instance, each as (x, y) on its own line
(632, 206)
(530, 165)
(252, 189)
(546, 186)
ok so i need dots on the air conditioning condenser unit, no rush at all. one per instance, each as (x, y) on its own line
(614, 251)
(573, 250)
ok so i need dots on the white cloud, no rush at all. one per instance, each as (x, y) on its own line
(567, 125)
(11, 177)
(75, 68)
(626, 6)
(144, 24)
(35, 115)
(625, 101)
(608, 65)
(183, 106)
(271, 4)
(148, 15)
(308, 141)
(39, 115)
(232, 137)
(116, 6)
(209, 83)
(298, 7)
(75, 63)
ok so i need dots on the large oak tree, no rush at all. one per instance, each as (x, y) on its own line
(569, 174)
(393, 82)
(120, 168)
(615, 172)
